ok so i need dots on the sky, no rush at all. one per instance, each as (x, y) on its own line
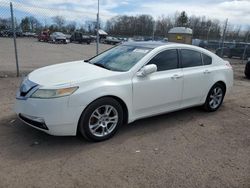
(237, 11)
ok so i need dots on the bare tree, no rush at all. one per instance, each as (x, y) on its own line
(163, 25)
(130, 25)
(5, 23)
(59, 21)
(25, 24)
(71, 27)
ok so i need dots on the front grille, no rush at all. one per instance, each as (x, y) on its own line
(40, 125)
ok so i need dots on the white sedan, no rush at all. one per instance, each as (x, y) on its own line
(128, 82)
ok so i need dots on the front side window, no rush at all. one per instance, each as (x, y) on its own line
(165, 60)
(120, 58)
(190, 58)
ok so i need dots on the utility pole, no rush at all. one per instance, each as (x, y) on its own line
(14, 38)
(223, 38)
(208, 32)
(244, 53)
(97, 36)
(154, 29)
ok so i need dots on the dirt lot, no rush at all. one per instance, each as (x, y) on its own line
(189, 148)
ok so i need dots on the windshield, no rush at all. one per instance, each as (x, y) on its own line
(59, 34)
(120, 58)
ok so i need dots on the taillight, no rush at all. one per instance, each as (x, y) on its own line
(228, 64)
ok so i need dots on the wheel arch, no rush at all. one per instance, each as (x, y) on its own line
(119, 100)
(124, 107)
(205, 105)
(223, 84)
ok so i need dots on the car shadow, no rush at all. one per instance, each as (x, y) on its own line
(161, 122)
(19, 141)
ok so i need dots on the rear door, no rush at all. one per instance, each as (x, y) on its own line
(196, 77)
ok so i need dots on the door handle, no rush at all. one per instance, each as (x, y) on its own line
(176, 76)
(207, 72)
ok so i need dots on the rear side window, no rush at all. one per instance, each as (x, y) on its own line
(190, 58)
(165, 60)
(207, 60)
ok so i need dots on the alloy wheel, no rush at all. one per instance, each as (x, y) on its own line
(215, 97)
(103, 120)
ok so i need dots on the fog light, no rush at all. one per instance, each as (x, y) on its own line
(34, 121)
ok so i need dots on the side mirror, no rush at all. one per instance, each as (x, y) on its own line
(148, 69)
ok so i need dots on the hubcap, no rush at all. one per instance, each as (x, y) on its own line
(103, 120)
(215, 97)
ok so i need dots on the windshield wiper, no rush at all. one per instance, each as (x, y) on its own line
(101, 65)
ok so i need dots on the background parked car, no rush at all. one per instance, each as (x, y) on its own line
(200, 43)
(79, 37)
(112, 40)
(44, 36)
(9, 33)
(236, 50)
(68, 36)
(247, 69)
(29, 34)
(123, 39)
(225, 51)
(58, 37)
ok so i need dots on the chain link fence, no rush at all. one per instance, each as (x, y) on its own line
(7, 52)
(46, 36)
(43, 37)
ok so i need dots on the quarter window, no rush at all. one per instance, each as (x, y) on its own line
(190, 58)
(165, 60)
(207, 60)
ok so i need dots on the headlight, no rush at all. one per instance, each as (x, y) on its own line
(53, 93)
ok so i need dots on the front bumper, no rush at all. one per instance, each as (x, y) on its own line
(33, 121)
(53, 116)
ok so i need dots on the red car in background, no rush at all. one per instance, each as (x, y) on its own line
(44, 36)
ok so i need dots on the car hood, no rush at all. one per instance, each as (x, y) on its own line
(69, 73)
(60, 37)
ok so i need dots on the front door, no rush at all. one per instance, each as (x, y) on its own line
(161, 91)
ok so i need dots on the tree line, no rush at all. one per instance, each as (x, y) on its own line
(58, 23)
(144, 25)
(140, 25)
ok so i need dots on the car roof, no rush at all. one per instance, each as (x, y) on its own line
(147, 44)
(156, 44)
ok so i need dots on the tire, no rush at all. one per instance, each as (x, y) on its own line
(106, 115)
(216, 94)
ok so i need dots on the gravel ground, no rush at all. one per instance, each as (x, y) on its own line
(189, 148)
